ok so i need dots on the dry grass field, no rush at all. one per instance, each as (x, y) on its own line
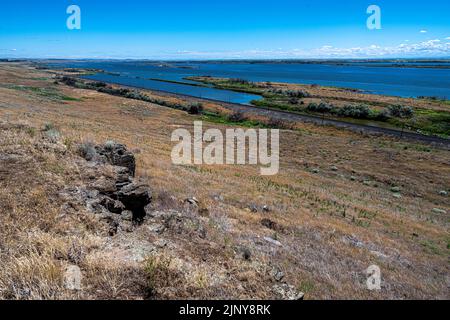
(341, 202)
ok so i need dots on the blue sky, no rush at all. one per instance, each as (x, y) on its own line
(200, 29)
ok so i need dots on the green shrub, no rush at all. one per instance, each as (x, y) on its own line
(195, 108)
(158, 273)
(49, 126)
(354, 111)
(68, 81)
(381, 116)
(240, 81)
(321, 107)
(99, 84)
(279, 124)
(237, 117)
(87, 150)
(400, 111)
(293, 100)
(109, 145)
(297, 94)
(52, 135)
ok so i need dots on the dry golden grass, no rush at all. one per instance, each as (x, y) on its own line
(333, 224)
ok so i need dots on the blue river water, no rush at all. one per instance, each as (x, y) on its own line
(393, 81)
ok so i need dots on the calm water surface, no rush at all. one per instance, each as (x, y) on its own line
(403, 82)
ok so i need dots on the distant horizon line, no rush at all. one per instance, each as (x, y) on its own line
(233, 59)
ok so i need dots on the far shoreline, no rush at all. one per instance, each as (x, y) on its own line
(415, 63)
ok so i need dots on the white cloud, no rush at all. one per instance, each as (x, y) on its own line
(448, 38)
(13, 49)
(432, 48)
(423, 31)
(429, 48)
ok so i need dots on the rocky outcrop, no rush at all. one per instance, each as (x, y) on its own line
(135, 197)
(113, 153)
(118, 155)
(117, 195)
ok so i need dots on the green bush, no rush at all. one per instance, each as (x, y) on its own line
(321, 107)
(297, 94)
(382, 116)
(352, 111)
(48, 126)
(400, 111)
(87, 150)
(68, 81)
(240, 81)
(195, 108)
(293, 100)
(237, 117)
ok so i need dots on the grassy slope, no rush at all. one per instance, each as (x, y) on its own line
(332, 224)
